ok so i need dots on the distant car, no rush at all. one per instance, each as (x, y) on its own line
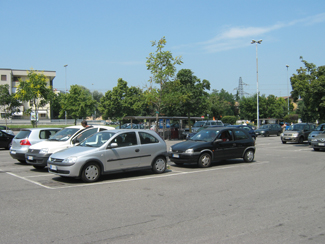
(297, 133)
(319, 130)
(38, 154)
(6, 129)
(213, 144)
(249, 128)
(198, 124)
(5, 140)
(318, 142)
(28, 137)
(111, 151)
(269, 129)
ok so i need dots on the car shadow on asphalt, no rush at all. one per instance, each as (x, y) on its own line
(213, 164)
(111, 177)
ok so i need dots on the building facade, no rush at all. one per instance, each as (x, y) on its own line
(12, 77)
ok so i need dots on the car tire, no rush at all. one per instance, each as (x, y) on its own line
(159, 165)
(204, 160)
(90, 172)
(249, 156)
(301, 140)
(316, 149)
(38, 167)
(284, 142)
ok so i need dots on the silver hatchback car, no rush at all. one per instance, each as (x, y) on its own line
(111, 151)
(27, 137)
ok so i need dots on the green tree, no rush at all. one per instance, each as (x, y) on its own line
(78, 103)
(121, 101)
(309, 84)
(8, 102)
(187, 95)
(55, 105)
(35, 90)
(221, 104)
(162, 66)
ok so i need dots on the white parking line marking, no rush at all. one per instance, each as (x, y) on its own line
(23, 178)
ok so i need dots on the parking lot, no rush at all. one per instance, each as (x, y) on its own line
(279, 198)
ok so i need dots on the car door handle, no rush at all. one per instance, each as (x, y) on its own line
(137, 150)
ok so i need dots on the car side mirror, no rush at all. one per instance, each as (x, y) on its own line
(112, 145)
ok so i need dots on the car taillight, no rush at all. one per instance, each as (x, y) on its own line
(25, 142)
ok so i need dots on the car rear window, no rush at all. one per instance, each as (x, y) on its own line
(23, 134)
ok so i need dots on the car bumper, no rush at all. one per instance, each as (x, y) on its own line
(18, 154)
(37, 159)
(290, 139)
(318, 145)
(183, 157)
(67, 170)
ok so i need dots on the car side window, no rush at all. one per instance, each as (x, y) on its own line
(226, 135)
(147, 138)
(126, 139)
(240, 135)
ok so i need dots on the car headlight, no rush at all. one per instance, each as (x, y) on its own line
(189, 150)
(170, 149)
(262, 131)
(70, 160)
(314, 139)
(295, 134)
(44, 151)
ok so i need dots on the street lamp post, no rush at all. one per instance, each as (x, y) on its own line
(65, 112)
(288, 86)
(258, 109)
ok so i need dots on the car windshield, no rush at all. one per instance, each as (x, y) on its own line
(199, 123)
(320, 128)
(296, 127)
(64, 134)
(205, 135)
(97, 140)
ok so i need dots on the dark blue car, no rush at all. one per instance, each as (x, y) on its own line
(248, 128)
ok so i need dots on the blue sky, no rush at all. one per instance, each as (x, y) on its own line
(102, 41)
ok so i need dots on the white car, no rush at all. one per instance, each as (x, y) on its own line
(39, 153)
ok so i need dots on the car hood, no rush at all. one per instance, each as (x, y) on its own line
(74, 151)
(315, 133)
(261, 129)
(320, 136)
(53, 146)
(183, 146)
(292, 131)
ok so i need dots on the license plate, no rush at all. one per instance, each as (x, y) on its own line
(13, 152)
(175, 156)
(30, 157)
(287, 138)
(321, 144)
(53, 167)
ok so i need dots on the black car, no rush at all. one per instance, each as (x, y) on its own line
(249, 128)
(269, 129)
(5, 140)
(214, 144)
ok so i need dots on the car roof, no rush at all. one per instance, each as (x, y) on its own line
(42, 128)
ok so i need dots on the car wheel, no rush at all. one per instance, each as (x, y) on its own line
(316, 149)
(38, 167)
(90, 172)
(159, 165)
(249, 156)
(204, 160)
(301, 140)
(284, 142)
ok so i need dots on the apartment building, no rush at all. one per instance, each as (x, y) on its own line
(12, 77)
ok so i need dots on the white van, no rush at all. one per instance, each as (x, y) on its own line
(39, 153)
